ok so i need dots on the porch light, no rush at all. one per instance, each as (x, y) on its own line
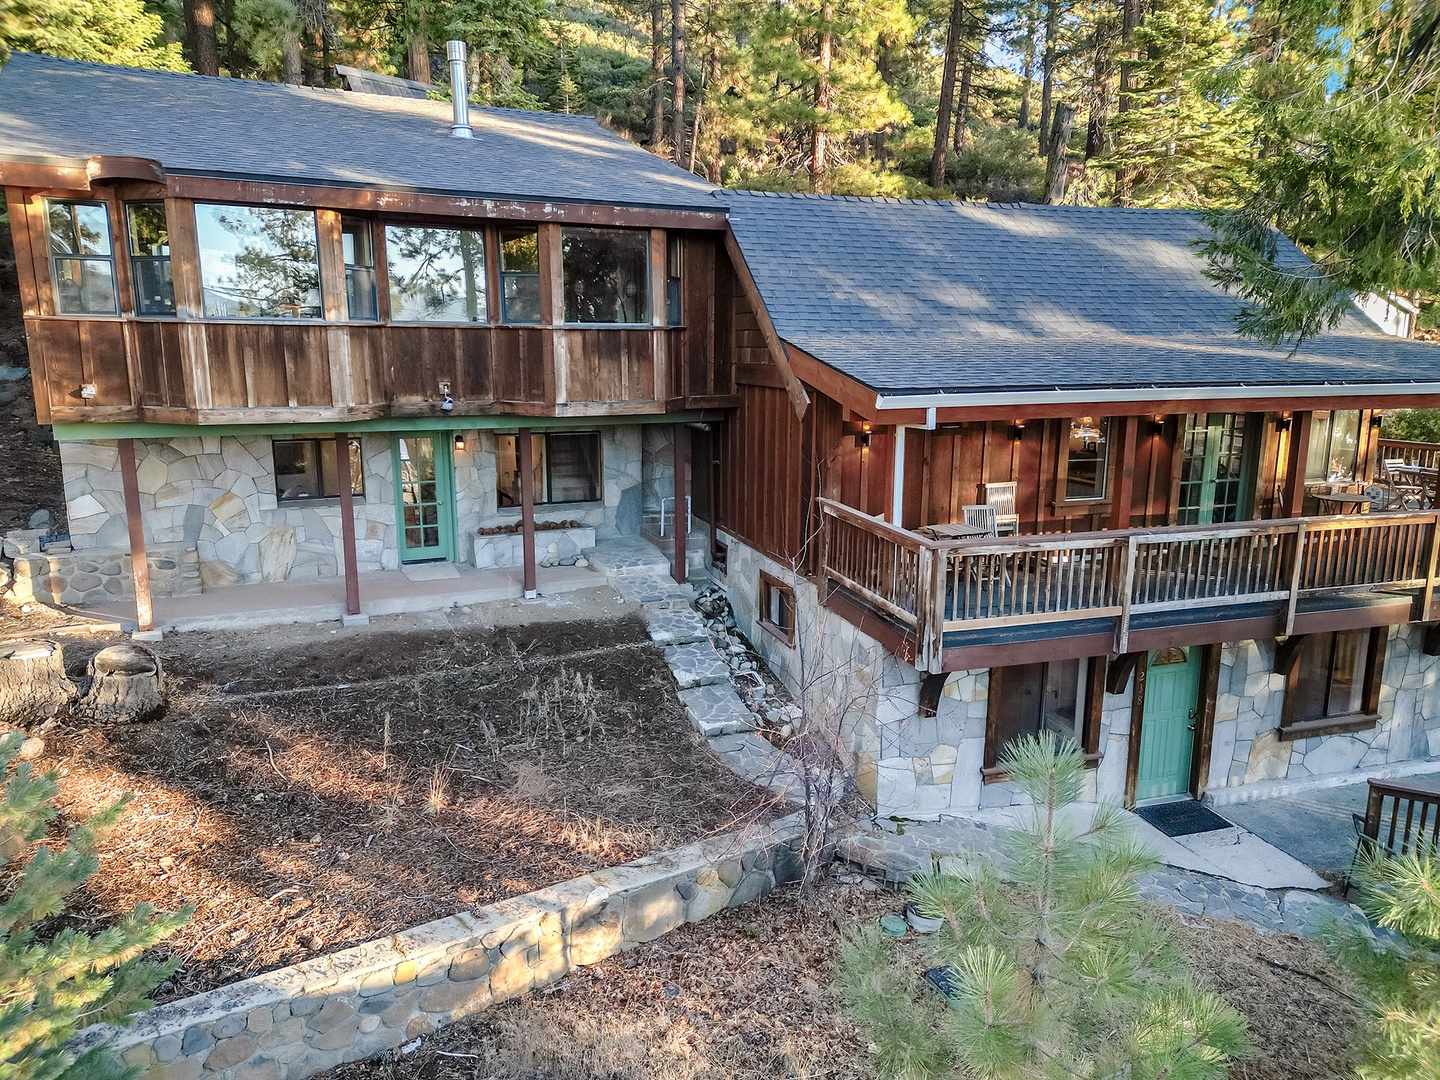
(1157, 424)
(1377, 419)
(1017, 429)
(1286, 419)
(459, 441)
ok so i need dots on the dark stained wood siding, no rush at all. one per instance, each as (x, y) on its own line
(763, 474)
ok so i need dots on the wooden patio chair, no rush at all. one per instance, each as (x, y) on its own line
(1404, 492)
(982, 517)
(1002, 498)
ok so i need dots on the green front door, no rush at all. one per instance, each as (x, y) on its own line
(1167, 730)
(424, 496)
(1215, 470)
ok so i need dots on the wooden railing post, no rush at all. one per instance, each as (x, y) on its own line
(929, 610)
(1127, 590)
(1428, 595)
(1297, 564)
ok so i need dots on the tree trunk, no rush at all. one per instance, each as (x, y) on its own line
(1133, 15)
(712, 160)
(1103, 73)
(1057, 163)
(290, 66)
(824, 101)
(200, 35)
(657, 75)
(33, 683)
(882, 65)
(1047, 73)
(962, 111)
(1028, 82)
(124, 686)
(944, 112)
(677, 80)
(417, 60)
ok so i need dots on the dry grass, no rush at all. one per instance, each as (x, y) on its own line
(328, 792)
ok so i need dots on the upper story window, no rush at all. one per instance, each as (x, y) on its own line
(150, 258)
(1334, 447)
(675, 315)
(82, 261)
(520, 275)
(258, 262)
(436, 275)
(358, 244)
(1086, 456)
(606, 275)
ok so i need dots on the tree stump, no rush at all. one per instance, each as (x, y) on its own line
(33, 683)
(124, 686)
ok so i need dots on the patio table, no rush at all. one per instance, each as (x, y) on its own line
(955, 530)
(1344, 502)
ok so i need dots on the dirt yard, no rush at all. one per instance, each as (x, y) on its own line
(746, 995)
(309, 790)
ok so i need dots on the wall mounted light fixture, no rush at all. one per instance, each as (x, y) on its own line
(1286, 419)
(1377, 419)
(459, 441)
(1017, 429)
(1157, 424)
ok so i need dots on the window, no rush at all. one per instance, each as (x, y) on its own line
(436, 275)
(1030, 698)
(566, 467)
(309, 469)
(1333, 678)
(1334, 447)
(258, 262)
(519, 276)
(777, 608)
(606, 274)
(674, 314)
(150, 258)
(1085, 458)
(81, 259)
(358, 245)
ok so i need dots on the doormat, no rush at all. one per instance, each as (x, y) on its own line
(1182, 818)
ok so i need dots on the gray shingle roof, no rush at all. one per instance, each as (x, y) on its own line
(62, 109)
(913, 296)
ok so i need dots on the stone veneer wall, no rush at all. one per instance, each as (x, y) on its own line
(909, 766)
(96, 576)
(356, 1003)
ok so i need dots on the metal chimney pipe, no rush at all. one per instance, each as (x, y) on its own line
(459, 91)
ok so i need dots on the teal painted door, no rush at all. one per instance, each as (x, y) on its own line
(1167, 730)
(424, 496)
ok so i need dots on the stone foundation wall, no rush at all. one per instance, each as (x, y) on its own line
(356, 1003)
(97, 576)
(553, 547)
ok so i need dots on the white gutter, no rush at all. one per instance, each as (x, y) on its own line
(1147, 394)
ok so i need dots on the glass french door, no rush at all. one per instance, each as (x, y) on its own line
(1214, 470)
(424, 487)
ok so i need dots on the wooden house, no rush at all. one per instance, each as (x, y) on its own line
(966, 471)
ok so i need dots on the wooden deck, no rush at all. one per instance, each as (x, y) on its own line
(1265, 573)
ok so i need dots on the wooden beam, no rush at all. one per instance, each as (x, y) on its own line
(679, 567)
(139, 566)
(932, 685)
(799, 399)
(1124, 473)
(1299, 449)
(527, 509)
(1205, 720)
(347, 524)
(1137, 721)
(1119, 672)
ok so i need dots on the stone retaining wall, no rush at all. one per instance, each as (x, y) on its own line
(553, 547)
(358, 1002)
(100, 577)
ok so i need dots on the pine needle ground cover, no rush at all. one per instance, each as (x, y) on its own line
(309, 790)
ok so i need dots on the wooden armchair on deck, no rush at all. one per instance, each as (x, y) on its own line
(1001, 497)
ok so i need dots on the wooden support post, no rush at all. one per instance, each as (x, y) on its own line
(139, 567)
(527, 510)
(1295, 465)
(1127, 590)
(1296, 566)
(1124, 474)
(1427, 595)
(897, 479)
(347, 524)
(679, 568)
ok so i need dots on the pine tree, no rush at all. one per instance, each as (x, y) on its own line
(103, 31)
(1053, 967)
(51, 988)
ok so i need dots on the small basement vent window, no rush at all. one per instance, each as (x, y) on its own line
(777, 608)
(309, 469)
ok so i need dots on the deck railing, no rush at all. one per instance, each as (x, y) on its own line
(1426, 455)
(933, 587)
(1401, 818)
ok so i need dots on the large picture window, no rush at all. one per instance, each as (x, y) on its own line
(150, 258)
(309, 469)
(1334, 447)
(1334, 678)
(1027, 699)
(566, 467)
(258, 262)
(82, 261)
(1086, 456)
(606, 274)
(519, 276)
(436, 275)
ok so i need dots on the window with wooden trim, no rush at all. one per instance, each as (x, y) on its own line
(520, 276)
(1086, 459)
(82, 260)
(436, 275)
(1026, 699)
(566, 467)
(308, 469)
(606, 275)
(674, 262)
(258, 262)
(357, 243)
(1333, 682)
(1334, 450)
(149, 237)
(777, 608)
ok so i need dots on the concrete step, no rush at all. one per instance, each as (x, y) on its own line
(697, 664)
